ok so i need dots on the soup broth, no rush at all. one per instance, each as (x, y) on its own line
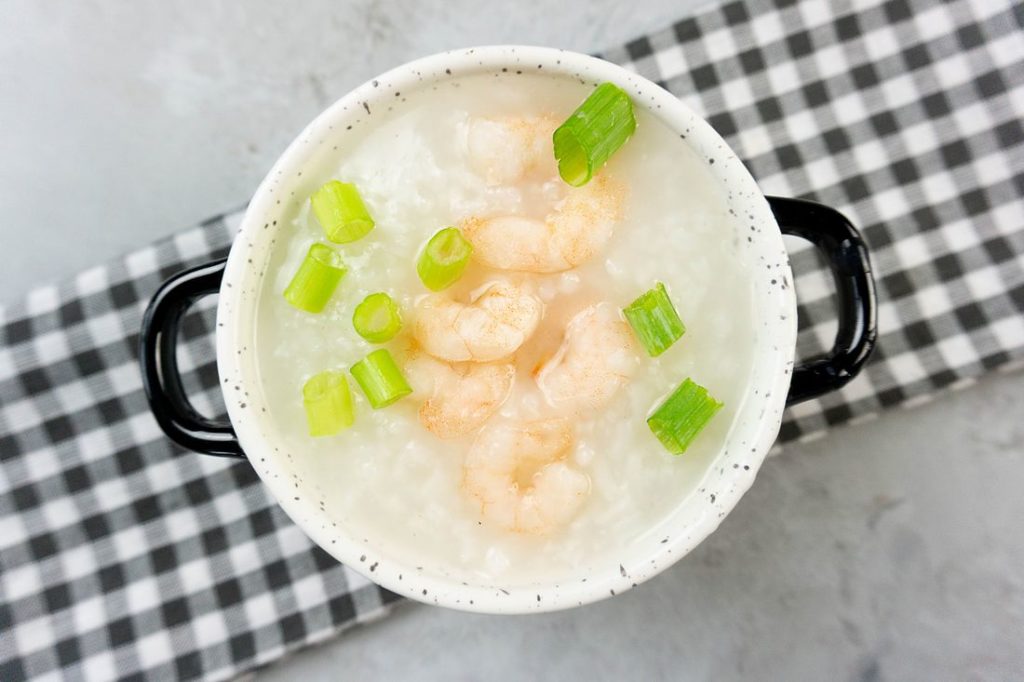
(399, 488)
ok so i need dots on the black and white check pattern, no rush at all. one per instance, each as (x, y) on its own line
(121, 556)
(906, 115)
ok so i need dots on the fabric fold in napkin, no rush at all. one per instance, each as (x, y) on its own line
(123, 556)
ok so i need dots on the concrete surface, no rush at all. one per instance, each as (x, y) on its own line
(124, 121)
(891, 550)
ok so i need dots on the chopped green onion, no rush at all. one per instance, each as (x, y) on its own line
(328, 403)
(377, 319)
(593, 133)
(654, 320)
(316, 279)
(380, 378)
(341, 212)
(444, 259)
(678, 420)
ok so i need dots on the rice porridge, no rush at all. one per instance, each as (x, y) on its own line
(398, 481)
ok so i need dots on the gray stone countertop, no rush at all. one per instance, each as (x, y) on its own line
(889, 550)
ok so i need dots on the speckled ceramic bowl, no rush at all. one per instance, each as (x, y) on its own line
(774, 381)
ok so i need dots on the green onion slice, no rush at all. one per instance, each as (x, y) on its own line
(316, 279)
(341, 212)
(678, 420)
(654, 320)
(328, 402)
(377, 319)
(444, 259)
(593, 133)
(381, 380)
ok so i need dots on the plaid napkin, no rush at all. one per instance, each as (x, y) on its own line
(906, 116)
(122, 556)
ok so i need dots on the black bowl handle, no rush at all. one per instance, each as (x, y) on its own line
(843, 248)
(160, 377)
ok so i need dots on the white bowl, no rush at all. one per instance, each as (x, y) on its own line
(752, 434)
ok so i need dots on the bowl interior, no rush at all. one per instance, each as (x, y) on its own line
(284, 193)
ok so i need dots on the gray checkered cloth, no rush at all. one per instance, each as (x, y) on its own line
(906, 116)
(122, 556)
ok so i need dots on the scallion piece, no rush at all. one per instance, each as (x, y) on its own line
(328, 402)
(377, 319)
(341, 212)
(654, 320)
(678, 420)
(381, 380)
(593, 133)
(444, 259)
(316, 279)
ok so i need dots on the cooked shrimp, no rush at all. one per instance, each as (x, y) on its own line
(498, 319)
(573, 233)
(518, 474)
(596, 358)
(457, 397)
(504, 150)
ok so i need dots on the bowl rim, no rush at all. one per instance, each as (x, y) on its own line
(239, 296)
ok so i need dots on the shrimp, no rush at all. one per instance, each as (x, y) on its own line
(457, 397)
(499, 318)
(517, 472)
(596, 358)
(504, 150)
(572, 233)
